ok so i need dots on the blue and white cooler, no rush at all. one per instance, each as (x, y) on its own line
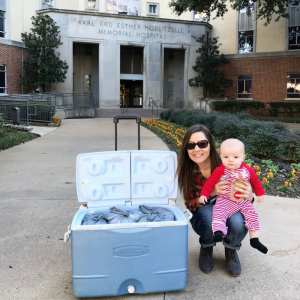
(127, 258)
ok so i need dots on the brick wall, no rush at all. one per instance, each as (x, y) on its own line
(11, 57)
(268, 76)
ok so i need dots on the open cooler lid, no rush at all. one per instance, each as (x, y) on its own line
(111, 178)
(102, 177)
(153, 177)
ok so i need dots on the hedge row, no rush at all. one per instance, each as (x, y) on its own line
(274, 108)
(271, 140)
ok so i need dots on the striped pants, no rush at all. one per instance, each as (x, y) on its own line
(223, 209)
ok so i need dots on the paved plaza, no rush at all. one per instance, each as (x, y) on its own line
(38, 201)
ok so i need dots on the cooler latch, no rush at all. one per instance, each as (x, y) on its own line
(128, 203)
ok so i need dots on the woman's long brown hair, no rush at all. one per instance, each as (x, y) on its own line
(186, 167)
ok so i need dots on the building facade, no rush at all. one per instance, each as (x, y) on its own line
(128, 51)
(264, 60)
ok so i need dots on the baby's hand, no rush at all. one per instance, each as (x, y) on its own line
(202, 199)
(260, 199)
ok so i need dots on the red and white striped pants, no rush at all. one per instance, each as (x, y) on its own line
(225, 208)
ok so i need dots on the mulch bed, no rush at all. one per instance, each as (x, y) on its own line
(273, 186)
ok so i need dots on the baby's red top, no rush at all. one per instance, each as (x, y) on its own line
(219, 171)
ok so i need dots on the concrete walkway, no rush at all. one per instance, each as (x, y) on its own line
(38, 202)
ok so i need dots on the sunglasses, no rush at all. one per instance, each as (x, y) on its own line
(200, 144)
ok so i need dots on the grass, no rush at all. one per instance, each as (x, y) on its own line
(10, 137)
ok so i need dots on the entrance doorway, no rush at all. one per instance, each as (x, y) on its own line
(131, 76)
(174, 78)
(86, 69)
(131, 92)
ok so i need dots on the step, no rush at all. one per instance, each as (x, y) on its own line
(142, 112)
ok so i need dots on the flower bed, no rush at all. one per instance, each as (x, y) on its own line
(278, 179)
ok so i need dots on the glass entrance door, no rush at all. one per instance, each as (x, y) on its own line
(131, 92)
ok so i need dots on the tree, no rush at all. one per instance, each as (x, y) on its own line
(207, 65)
(266, 9)
(43, 65)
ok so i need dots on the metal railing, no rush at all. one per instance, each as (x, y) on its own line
(180, 104)
(61, 100)
(123, 104)
(31, 110)
(152, 104)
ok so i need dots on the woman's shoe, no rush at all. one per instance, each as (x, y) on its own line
(205, 259)
(233, 263)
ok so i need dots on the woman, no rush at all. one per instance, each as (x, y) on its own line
(197, 160)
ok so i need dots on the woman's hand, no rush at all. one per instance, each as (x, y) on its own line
(219, 188)
(245, 189)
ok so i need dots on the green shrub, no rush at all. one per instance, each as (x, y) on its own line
(272, 140)
(165, 115)
(243, 115)
(227, 126)
(177, 116)
(263, 143)
(289, 148)
(237, 106)
(1, 123)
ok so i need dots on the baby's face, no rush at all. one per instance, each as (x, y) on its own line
(232, 157)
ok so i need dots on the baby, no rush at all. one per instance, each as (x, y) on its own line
(234, 170)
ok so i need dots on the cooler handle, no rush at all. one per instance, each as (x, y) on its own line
(67, 234)
(190, 215)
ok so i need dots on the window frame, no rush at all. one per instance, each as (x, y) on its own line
(202, 16)
(88, 83)
(240, 49)
(115, 9)
(92, 8)
(148, 8)
(4, 24)
(5, 80)
(244, 80)
(296, 78)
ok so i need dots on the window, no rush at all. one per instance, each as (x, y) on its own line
(152, 9)
(123, 7)
(200, 16)
(294, 38)
(131, 60)
(3, 87)
(49, 2)
(45, 4)
(2, 24)
(293, 86)
(170, 88)
(246, 41)
(246, 29)
(244, 86)
(91, 4)
(251, 6)
(294, 26)
(88, 83)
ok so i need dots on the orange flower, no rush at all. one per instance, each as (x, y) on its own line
(286, 183)
(265, 180)
(290, 184)
(248, 165)
(271, 175)
(256, 167)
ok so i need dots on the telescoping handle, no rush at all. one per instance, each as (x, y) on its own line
(127, 117)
